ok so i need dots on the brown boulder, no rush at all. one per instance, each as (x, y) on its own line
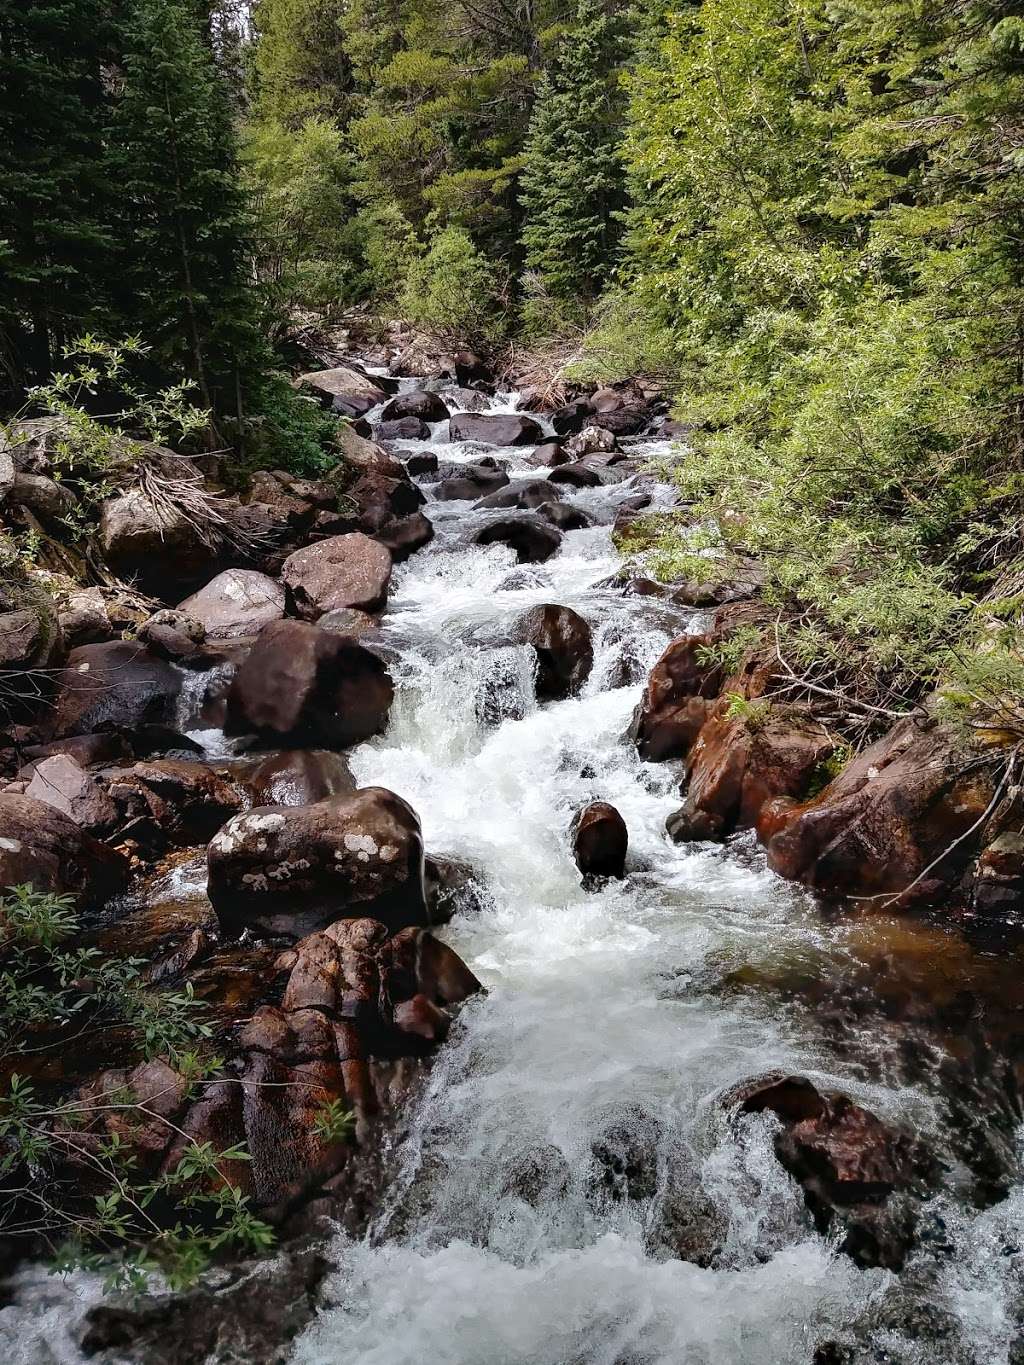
(532, 539)
(161, 549)
(549, 456)
(185, 803)
(524, 494)
(43, 847)
(236, 604)
(298, 777)
(427, 407)
(403, 429)
(495, 428)
(599, 842)
(740, 762)
(344, 571)
(564, 647)
(344, 390)
(472, 482)
(300, 683)
(405, 535)
(675, 702)
(296, 869)
(116, 685)
(913, 799)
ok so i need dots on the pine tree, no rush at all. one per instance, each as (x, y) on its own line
(183, 208)
(301, 66)
(572, 181)
(54, 193)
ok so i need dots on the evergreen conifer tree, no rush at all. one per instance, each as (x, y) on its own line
(54, 192)
(572, 181)
(173, 151)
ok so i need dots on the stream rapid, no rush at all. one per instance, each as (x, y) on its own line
(569, 1189)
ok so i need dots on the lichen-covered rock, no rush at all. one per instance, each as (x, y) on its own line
(295, 869)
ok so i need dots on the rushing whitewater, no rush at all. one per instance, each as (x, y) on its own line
(568, 1189)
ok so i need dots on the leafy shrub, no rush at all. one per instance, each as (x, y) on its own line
(452, 288)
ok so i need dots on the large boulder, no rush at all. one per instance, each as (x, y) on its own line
(300, 684)
(564, 647)
(174, 801)
(599, 842)
(677, 698)
(159, 548)
(524, 494)
(472, 481)
(532, 539)
(742, 761)
(296, 869)
(572, 417)
(902, 820)
(112, 686)
(403, 429)
(495, 428)
(43, 847)
(427, 407)
(344, 571)
(236, 604)
(576, 475)
(403, 536)
(343, 389)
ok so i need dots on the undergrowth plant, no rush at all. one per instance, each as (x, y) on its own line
(77, 1187)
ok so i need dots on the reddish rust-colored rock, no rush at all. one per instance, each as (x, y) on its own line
(294, 869)
(895, 809)
(178, 801)
(344, 571)
(562, 641)
(599, 842)
(236, 604)
(675, 703)
(740, 763)
(302, 684)
(43, 847)
(60, 782)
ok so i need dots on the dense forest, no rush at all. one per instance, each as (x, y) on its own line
(803, 219)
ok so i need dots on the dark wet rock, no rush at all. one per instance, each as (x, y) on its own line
(427, 407)
(403, 429)
(173, 965)
(847, 1161)
(913, 799)
(549, 455)
(676, 700)
(741, 762)
(379, 497)
(626, 1155)
(42, 846)
(236, 604)
(174, 801)
(572, 417)
(344, 571)
(564, 647)
(296, 869)
(405, 535)
(423, 462)
(461, 399)
(533, 539)
(564, 516)
(997, 893)
(105, 747)
(576, 475)
(300, 683)
(28, 641)
(298, 777)
(452, 889)
(599, 842)
(472, 482)
(688, 827)
(496, 429)
(61, 783)
(524, 494)
(117, 685)
(344, 390)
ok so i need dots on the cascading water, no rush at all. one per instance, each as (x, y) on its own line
(570, 1190)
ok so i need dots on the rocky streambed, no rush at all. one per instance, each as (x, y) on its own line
(452, 823)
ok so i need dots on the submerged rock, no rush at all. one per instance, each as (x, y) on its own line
(294, 869)
(532, 539)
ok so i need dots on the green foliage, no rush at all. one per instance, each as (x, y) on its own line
(301, 68)
(730, 651)
(286, 431)
(828, 770)
(827, 216)
(112, 1217)
(333, 1122)
(452, 287)
(753, 714)
(572, 181)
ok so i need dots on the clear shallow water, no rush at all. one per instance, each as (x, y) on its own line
(571, 1191)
